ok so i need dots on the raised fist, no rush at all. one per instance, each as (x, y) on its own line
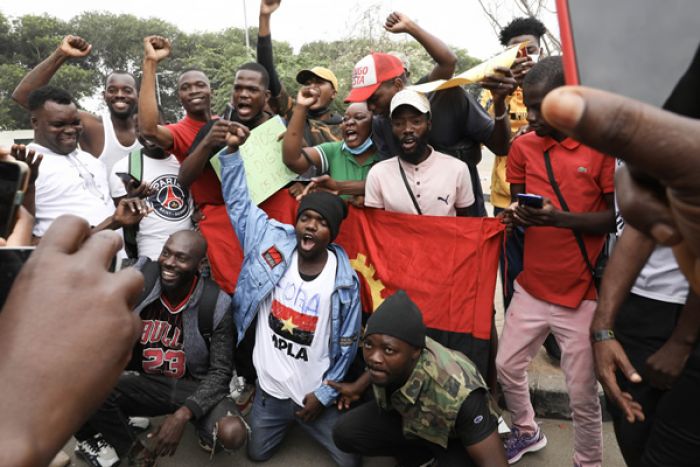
(75, 46)
(267, 7)
(237, 135)
(397, 22)
(156, 48)
(307, 96)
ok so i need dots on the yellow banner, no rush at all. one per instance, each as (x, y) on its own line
(473, 75)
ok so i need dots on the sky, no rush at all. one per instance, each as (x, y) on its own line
(460, 23)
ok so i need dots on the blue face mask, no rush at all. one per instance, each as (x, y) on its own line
(360, 149)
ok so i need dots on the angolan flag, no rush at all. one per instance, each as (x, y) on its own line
(291, 324)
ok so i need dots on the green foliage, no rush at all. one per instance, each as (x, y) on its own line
(117, 44)
(11, 115)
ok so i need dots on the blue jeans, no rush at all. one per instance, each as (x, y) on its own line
(270, 418)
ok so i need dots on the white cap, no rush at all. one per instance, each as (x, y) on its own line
(415, 99)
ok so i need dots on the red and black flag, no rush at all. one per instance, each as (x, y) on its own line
(447, 265)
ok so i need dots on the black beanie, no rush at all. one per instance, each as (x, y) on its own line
(398, 317)
(330, 206)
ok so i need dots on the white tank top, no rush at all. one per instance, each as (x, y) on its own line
(113, 149)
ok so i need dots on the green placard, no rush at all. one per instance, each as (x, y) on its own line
(262, 157)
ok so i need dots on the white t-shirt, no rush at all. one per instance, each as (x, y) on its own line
(75, 183)
(172, 204)
(660, 279)
(293, 332)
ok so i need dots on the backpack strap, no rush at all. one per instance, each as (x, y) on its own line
(136, 164)
(205, 312)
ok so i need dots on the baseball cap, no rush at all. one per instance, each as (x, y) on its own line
(319, 71)
(403, 57)
(415, 99)
(370, 72)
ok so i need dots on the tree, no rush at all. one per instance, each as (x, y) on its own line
(117, 44)
(26, 41)
(496, 11)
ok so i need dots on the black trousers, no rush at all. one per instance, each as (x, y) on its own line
(669, 435)
(511, 260)
(370, 431)
(147, 396)
(478, 209)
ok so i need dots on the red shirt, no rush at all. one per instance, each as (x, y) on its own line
(206, 189)
(554, 270)
(183, 133)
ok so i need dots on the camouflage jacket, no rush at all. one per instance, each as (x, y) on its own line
(431, 398)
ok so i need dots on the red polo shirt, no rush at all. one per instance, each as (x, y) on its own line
(554, 270)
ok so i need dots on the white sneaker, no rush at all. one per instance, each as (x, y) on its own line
(97, 452)
(139, 423)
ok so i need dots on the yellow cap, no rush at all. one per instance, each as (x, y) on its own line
(320, 72)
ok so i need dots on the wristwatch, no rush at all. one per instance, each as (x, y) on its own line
(602, 335)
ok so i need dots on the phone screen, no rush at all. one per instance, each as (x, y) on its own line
(637, 48)
(11, 261)
(10, 174)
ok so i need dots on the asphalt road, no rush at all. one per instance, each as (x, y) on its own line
(300, 450)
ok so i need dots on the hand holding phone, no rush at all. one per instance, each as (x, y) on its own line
(127, 178)
(14, 177)
(530, 200)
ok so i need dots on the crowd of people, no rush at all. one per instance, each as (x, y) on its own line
(184, 320)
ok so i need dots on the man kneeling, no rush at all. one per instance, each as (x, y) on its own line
(183, 364)
(298, 292)
(433, 403)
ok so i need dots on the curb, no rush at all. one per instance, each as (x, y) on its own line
(549, 396)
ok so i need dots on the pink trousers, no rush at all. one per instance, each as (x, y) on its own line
(527, 324)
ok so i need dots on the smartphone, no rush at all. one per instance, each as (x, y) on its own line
(14, 176)
(11, 262)
(127, 177)
(228, 112)
(643, 49)
(530, 200)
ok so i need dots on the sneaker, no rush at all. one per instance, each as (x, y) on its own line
(243, 395)
(97, 452)
(204, 446)
(139, 424)
(518, 444)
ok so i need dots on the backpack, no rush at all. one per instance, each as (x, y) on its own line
(207, 304)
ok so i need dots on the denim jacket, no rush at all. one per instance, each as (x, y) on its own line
(267, 249)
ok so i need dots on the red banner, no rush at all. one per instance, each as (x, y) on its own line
(447, 265)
